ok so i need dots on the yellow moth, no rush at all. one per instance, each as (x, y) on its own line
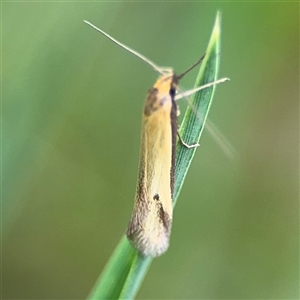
(150, 225)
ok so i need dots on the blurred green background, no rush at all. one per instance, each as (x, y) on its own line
(71, 109)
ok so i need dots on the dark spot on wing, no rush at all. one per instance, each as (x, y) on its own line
(151, 101)
(156, 196)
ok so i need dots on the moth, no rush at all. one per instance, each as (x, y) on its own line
(150, 225)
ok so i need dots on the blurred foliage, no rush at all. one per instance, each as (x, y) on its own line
(71, 110)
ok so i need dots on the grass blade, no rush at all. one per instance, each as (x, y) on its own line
(196, 114)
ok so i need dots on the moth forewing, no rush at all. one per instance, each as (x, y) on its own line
(150, 225)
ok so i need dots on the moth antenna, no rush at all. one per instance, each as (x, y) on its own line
(135, 53)
(191, 67)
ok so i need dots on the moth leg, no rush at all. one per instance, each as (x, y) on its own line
(185, 144)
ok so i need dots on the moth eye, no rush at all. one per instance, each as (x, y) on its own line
(172, 91)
